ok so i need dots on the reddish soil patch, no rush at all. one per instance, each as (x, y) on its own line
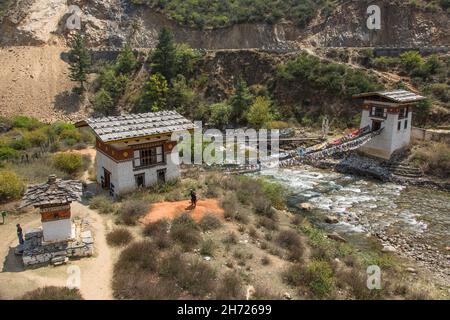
(170, 210)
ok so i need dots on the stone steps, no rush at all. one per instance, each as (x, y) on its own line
(403, 170)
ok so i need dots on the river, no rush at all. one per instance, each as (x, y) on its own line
(416, 221)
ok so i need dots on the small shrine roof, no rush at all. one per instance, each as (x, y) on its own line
(53, 192)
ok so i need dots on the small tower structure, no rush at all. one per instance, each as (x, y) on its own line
(391, 111)
(53, 199)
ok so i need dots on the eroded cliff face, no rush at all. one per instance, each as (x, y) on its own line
(114, 22)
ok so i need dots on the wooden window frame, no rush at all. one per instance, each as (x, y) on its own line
(148, 157)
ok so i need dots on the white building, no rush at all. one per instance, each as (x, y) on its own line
(136, 150)
(391, 111)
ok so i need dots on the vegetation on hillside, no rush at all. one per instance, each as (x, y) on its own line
(220, 13)
(429, 74)
(31, 150)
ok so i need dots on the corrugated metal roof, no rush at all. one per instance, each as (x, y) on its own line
(399, 96)
(138, 125)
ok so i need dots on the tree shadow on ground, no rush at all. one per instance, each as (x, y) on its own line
(13, 262)
(69, 102)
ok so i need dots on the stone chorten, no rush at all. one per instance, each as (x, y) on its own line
(53, 199)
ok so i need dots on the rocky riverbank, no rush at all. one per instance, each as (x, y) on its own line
(377, 169)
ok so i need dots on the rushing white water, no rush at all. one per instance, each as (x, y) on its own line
(368, 206)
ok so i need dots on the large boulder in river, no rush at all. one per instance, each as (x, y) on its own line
(331, 219)
(388, 249)
(306, 206)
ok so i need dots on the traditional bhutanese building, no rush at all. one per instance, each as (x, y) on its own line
(391, 111)
(136, 150)
(53, 199)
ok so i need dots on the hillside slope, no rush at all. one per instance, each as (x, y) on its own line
(114, 22)
(34, 81)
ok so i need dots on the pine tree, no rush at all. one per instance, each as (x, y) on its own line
(79, 60)
(164, 58)
(126, 61)
(240, 101)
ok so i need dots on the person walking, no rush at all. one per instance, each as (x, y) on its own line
(193, 198)
(20, 234)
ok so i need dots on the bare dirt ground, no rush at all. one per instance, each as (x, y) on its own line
(34, 81)
(170, 210)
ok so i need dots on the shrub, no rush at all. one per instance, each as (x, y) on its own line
(230, 287)
(53, 293)
(209, 222)
(8, 153)
(263, 206)
(68, 162)
(141, 255)
(191, 274)
(317, 275)
(185, 231)
(288, 239)
(230, 205)
(11, 186)
(230, 238)
(207, 248)
(199, 277)
(433, 157)
(263, 292)
(102, 204)
(119, 237)
(131, 210)
(27, 123)
(158, 232)
(267, 223)
(265, 260)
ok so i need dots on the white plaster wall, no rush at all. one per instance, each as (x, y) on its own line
(391, 139)
(57, 230)
(105, 162)
(123, 175)
(402, 136)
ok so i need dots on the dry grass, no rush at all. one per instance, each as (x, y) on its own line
(185, 231)
(433, 158)
(158, 233)
(131, 210)
(230, 287)
(119, 237)
(210, 222)
(53, 293)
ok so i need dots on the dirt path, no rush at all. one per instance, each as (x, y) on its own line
(170, 210)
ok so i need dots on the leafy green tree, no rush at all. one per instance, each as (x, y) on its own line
(220, 115)
(186, 58)
(411, 60)
(113, 83)
(422, 111)
(11, 186)
(103, 103)
(181, 96)
(259, 114)
(240, 101)
(164, 58)
(126, 61)
(155, 96)
(79, 60)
